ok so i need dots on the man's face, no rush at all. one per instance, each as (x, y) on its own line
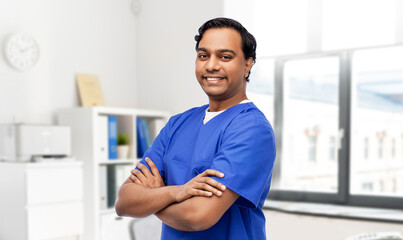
(221, 67)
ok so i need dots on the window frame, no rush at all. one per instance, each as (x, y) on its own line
(342, 196)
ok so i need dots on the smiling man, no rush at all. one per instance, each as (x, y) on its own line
(208, 172)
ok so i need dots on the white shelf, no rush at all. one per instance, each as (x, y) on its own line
(88, 146)
(119, 161)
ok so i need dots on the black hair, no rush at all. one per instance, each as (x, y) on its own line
(248, 40)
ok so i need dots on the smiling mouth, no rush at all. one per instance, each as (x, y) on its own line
(213, 78)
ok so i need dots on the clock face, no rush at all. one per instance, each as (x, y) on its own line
(22, 51)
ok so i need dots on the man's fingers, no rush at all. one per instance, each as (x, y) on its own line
(209, 188)
(154, 169)
(144, 169)
(135, 179)
(198, 192)
(139, 175)
(213, 183)
(211, 172)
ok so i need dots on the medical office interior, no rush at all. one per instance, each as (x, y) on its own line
(328, 76)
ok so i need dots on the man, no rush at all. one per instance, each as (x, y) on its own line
(208, 172)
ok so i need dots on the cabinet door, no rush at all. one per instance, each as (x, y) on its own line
(54, 184)
(55, 221)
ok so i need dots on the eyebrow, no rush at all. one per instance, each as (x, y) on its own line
(219, 51)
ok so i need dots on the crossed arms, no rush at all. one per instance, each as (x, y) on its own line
(194, 206)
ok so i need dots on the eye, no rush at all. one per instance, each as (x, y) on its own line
(202, 56)
(226, 57)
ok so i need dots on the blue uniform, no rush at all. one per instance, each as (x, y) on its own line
(239, 143)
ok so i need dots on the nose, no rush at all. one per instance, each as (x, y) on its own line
(212, 64)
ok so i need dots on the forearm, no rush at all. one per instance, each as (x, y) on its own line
(187, 215)
(197, 213)
(135, 200)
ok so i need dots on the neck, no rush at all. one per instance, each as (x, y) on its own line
(220, 105)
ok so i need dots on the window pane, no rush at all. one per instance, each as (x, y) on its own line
(311, 118)
(260, 88)
(280, 26)
(377, 122)
(349, 24)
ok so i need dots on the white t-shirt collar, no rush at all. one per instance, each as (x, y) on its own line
(210, 115)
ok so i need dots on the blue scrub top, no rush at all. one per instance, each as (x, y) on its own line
(238, 142)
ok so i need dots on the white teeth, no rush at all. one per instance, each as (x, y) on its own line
(213, 79)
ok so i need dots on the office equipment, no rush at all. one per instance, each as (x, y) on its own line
(27, 142)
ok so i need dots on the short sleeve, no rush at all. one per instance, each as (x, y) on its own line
(246, 157)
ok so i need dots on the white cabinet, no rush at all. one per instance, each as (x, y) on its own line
(89, 140)
(41, 201)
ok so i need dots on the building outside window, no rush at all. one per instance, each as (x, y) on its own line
(366, 148)
(393, 148)
(380, 148)
(312, 149)
(367, 187)
(332, 148)
(377, 110)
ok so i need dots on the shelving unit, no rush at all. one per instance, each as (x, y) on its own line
(87, 141)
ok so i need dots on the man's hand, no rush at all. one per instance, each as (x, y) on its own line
(201, 185)
(146, 178)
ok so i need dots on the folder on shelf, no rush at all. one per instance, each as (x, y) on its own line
(103, 153)
(156, 126)
(103, 186)
(117, 175)
(142, 145)
(144, 125)
(112, 137)
(111, 176)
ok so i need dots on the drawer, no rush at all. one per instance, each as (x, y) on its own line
(114, 227)
(55, 221)
(54, 184)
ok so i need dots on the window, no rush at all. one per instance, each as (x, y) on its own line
(344, 104)
(381, 186)
(380, 147)
(377, 111)
(394, 185)
(366, 148)
(393, 148)
(367, 186)
(288, 37)
(367, 109)
(260, 89)
(358, 27)
(310, 112)
(332, 148)
(312, 149)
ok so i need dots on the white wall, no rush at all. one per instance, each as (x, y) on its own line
(96, 37)
(166, 52)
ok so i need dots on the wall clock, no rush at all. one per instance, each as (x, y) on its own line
(22, 51)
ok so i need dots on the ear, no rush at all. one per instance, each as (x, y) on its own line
(248, 66)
